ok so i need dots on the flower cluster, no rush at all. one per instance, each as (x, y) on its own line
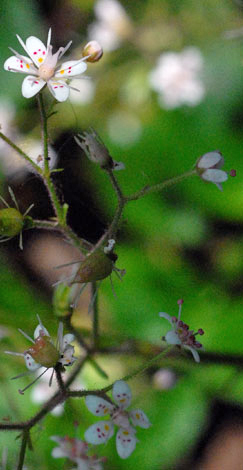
(43, 352)
(102, 431)
(43, 69)
(181, 335)
(76, 450)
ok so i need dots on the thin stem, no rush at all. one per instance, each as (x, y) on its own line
(25, 439)
(21, 153)
(95, 316)
(45, 133)
(158, 187)
(59, 378)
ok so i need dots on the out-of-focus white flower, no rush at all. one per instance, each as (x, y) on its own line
(41, 392)
(181, 335)
(112, 25)
(102, 431)
(124, 128)
(41, 65)
(86, 91)
(176, 78)
(164, 379)
(76, 450)
(208, 167)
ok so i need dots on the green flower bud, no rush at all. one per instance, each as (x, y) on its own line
(96, 267)
(11, 222)
(61, 300)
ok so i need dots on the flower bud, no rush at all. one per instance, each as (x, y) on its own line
(11, 222)
(61, 300)
(93, 50)
(44, 352)
(96, 266)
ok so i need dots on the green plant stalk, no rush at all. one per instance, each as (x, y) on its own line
(21, 153)
(23, 449)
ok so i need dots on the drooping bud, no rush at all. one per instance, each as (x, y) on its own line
(93, 50)
(11, 222)
(44, 352)
(96, 151)
(97, 266)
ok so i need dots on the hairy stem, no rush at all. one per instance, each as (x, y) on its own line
(21, 153)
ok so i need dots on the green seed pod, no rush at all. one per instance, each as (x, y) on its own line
(44, 352)
(61, 300)
(11, 222)
(96, 266)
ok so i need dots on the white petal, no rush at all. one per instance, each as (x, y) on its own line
(139, 418)
(215, 176)
(58, 452)
(122, 394)
(31, 86)
(14, 64)
(38, 330)
(84, 465)
(166, 316)
(118, 166)
(99, 433)
(194, 353)
(68, 357)
(172, 337)
(30, 362)
(36, 50)
(98, 406)
(71, 68)
(125, 443)
(209, 160)
(59, 90)
(67, 339)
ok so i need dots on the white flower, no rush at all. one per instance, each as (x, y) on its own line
(102, 431)
(112, 26)
(175, 78)
(180, 335)
(75, 450)
(208, 167)
(44, 353)
(41, 67)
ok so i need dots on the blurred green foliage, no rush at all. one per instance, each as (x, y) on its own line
(185, 242)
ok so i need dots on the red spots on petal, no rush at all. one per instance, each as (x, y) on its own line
(61, 86)
(98, 429)
(43, 52)
(37, 83)
(21, 66)
(55, 86)
(35, 53)
(39, 50)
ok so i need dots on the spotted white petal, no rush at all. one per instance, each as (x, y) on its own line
(208, 160)
(172, 337)
(67, 339)
(215, 176)
(67, 358)
(15, 64)
(139, 418)
(99, 433)
(30, 362)
(39, 331)
(194, 352)
(36, 50)
(31, 86)
(58, 89)
(122, 394)
(166, 316)
(125, 442)
(98, 406)
(71, 68)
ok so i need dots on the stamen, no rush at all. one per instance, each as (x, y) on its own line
(12, 353)
(37, 378)
(48, 39)
(64, 49)
(4, 202)
(50, 381)
(28, 210)
(26, 336)
(22, 44)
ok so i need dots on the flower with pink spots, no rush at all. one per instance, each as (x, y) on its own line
(102, 431)
(209, 168)
(42, 69)
(180, 335)
(76, 450)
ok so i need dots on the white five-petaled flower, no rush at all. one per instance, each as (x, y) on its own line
(76, 450)
(180, 335)
(43, 352)
(42, 69)
(176, 78)
(102, 431)
(208, 166)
